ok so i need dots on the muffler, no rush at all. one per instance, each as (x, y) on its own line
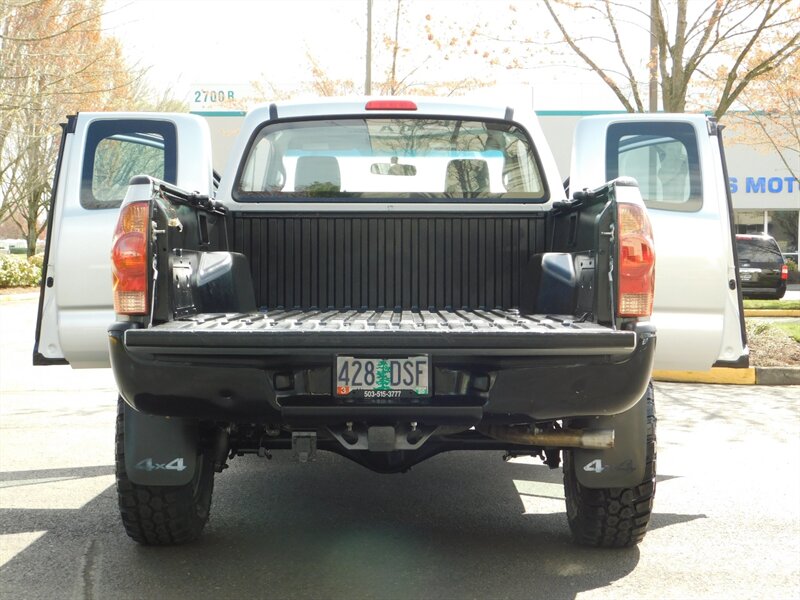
(562, 438)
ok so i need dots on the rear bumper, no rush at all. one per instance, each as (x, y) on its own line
(764, 288)
(490, 376)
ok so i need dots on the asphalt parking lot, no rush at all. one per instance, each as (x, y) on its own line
(726, 522)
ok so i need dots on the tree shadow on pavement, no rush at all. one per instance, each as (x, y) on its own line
(13, 478)
(462, 525)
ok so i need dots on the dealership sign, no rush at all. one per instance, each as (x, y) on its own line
(765, 185)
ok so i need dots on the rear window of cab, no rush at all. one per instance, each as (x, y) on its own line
(399, 158)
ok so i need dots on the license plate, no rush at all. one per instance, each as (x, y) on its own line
(382, 378)
(746, 276)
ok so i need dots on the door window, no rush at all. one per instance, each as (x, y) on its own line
(118, 150)
(663, 158)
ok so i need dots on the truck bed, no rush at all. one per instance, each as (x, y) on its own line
(292, 331)
(407, 261)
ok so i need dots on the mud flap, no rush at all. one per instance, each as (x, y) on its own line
(159, 450)
(624, 464)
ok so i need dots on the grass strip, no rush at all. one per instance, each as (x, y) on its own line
(793, 329)
(773, 304)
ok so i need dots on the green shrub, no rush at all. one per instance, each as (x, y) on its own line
(37, 259)
(17, 271)
(791, 264)
(793, 329)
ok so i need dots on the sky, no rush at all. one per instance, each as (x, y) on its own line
(197, 46)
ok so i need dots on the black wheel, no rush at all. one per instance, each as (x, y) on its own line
(162, 515)
(613, 517)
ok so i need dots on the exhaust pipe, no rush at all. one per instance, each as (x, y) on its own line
(220, 448)
(597, 439)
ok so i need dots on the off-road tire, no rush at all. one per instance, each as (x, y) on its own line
(162, 515)
(613, 517)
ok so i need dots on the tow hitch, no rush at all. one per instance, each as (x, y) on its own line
(304, 446)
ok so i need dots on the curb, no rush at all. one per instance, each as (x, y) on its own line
(716, 375)
(768, 312)
(778, 375)
(727, 376)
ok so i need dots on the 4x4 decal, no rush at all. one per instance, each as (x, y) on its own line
(147, 464)
(597, 466)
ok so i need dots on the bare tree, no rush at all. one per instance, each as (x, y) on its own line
(404, 58)
(391, 86)
(409, 69)
(772, 116)
(706, 52)
(55, 61)
(726, 44)
(323, 84)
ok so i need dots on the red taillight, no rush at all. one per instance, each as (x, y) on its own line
(129, 259)
(784, 272)
(636, 260)
(390, 105)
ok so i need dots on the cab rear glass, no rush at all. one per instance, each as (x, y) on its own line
(415, 159)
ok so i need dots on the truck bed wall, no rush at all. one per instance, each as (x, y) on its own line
(390, 261)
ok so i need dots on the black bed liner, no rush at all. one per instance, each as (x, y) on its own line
(287, 331)
(396, 260)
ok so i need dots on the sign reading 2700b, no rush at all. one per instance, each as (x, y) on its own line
(217, 97)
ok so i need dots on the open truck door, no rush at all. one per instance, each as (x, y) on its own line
(678, 161)
(99, 154)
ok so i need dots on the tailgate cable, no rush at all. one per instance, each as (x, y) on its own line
(611, 261)
(154, 245)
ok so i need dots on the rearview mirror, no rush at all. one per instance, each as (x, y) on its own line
(393, 168)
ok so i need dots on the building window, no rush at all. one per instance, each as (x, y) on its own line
(783, 226)
(749, 221)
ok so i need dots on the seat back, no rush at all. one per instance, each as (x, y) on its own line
(467, 177)
(322, 171)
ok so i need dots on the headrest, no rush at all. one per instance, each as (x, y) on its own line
(468, 176)
(317, 170)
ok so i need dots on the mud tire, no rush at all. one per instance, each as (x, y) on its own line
(162, 515)
(613, 517)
